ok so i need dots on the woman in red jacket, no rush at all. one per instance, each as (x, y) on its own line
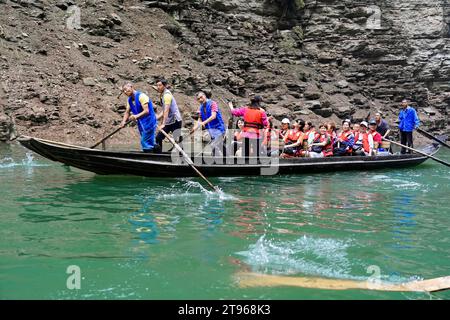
(322, 145)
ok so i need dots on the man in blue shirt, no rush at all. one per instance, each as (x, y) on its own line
(408, 121)
(211, 119)
(140, 109)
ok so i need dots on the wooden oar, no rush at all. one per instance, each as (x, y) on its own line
(109, 135)
(247, 279)
(189, 161)
(430, 136)
(419, 152)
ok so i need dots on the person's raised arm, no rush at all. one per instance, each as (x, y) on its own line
(264, 119)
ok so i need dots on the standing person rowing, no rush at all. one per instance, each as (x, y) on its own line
(171, 117)
(408, 121)
(140, 109)
(211, 119)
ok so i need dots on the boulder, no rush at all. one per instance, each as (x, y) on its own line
(116, 19)
(7, 131)
(90, 82)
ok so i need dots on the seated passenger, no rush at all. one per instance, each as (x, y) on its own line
(293, 140)
(237, 139)
(363, 141)
(284, 127)
(308, 136)
(377, 138)
(331, 130)
(321, 145)
(355, 128)
(345, 141)
(271, 138)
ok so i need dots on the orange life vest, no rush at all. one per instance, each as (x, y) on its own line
(253, 120)
(292, 136)
(366, 144)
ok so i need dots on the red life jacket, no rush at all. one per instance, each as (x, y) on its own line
(362, 139)
(366, 145)
(253, 120)
(375, 137)
(292, 136)
(327, 150)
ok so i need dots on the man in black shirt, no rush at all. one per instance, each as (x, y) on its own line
(382, 125)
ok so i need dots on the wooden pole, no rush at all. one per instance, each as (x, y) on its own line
(189, 161)
(248, 279)
(430, 136)
(419, 152)
(109, 135)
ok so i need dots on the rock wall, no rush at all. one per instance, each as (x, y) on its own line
(388, 49)
(62, 61)
(336, 59)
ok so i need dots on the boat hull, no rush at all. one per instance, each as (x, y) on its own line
(162, 165)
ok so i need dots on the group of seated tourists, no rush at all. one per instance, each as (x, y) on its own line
(303, 139)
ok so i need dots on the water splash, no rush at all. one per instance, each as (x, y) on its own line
(402, 183)
(28, 162)
(190, 188)
(312, 257)
(212, 194)
(306, 255)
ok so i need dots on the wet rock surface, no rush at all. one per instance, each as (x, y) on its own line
(7, 132)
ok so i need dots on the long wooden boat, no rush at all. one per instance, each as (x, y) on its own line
(163, 165)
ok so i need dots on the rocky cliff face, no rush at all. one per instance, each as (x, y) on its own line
(63, 61)
(332, 59)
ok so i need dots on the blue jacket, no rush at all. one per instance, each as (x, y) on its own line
(147, 122)
(408, 119)
(216, 127)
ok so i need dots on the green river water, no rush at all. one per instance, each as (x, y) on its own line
(142, 238)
